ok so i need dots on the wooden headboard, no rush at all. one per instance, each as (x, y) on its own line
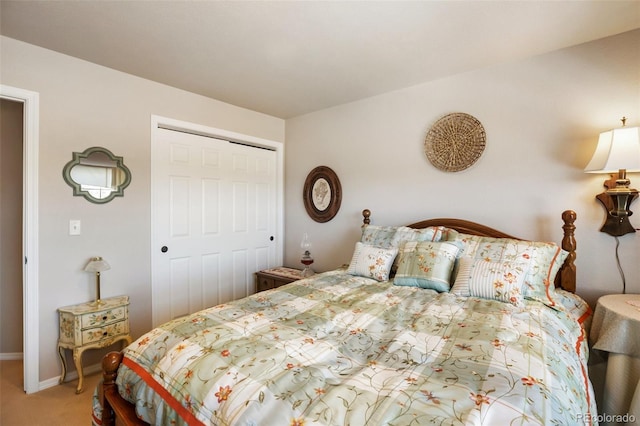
(566, 278)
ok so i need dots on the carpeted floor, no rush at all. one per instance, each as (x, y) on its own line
(55, 406)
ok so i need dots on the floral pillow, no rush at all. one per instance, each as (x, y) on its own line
(545, 261)
(404, 234)
(501, 281)
(378, 236)
(372, 262)
(541, 286)
(426, 265)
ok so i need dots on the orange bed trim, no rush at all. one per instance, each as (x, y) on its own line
(182, 411)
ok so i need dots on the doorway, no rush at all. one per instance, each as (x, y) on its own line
(11, 172)
(30, 252)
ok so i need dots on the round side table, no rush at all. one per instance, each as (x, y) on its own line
(616, 329)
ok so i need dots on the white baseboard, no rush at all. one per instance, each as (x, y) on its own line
(73, 375)
(11, 356)
(54, 381)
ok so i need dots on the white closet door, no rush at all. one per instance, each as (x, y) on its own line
(214, 224)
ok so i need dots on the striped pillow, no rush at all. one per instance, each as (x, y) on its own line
(501, 281)
(545, 260)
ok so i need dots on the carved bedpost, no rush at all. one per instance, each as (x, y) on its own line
(110, 364)
(567, 276)
(366, 214)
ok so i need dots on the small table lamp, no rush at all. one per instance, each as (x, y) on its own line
(97, 265)
(618, 151)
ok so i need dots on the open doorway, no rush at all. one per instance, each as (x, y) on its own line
(11, 173)
(29, 251)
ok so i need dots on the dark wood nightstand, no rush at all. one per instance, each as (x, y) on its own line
(275, 277)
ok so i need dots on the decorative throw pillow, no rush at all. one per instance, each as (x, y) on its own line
(545, 261)
(372, 262)
(404, 234)
(491, 280)
(426, 265)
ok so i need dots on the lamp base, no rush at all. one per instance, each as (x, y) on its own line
(615, 226)
(97, 303)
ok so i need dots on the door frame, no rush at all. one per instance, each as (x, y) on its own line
(184, 126)
(30, 249)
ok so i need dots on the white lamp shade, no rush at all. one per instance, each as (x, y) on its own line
(97, 264)
(617, 149)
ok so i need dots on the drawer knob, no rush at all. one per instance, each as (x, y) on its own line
(104, 318)
(105, 333)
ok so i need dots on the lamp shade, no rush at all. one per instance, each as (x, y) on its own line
(97, 264)
(617, 149)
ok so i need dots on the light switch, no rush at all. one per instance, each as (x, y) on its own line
(74, 227)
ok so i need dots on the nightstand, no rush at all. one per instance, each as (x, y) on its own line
(615, 329)
(87, 326)
(275, 277)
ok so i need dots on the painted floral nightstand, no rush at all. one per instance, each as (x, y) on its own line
(87, 326)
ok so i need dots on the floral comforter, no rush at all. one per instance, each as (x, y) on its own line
(342, 350)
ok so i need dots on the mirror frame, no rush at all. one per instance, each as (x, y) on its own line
(77, 189)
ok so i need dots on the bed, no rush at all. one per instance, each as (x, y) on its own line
(443, 321)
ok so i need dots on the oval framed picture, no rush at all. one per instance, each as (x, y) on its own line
(322, 194)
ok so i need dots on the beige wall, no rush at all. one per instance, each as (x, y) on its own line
(542, 117)
(11, 225)
(84, 105)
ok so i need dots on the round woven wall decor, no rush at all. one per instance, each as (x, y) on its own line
(455, 142)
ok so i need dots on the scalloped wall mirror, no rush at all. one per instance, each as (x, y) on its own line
(97, 175)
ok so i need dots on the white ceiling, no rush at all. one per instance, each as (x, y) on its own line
(287, 58)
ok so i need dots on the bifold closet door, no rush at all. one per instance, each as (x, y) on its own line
(214, 220)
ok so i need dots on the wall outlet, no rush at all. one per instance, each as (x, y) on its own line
(74, 227)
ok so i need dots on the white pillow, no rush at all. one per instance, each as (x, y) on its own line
(491, 280)
(372, 262)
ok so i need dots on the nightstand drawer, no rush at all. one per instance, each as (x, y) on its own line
(93, 335)
(265, 283)
(275, 277)
(98, 319)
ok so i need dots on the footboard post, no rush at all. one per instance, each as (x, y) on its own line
(110, 364)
